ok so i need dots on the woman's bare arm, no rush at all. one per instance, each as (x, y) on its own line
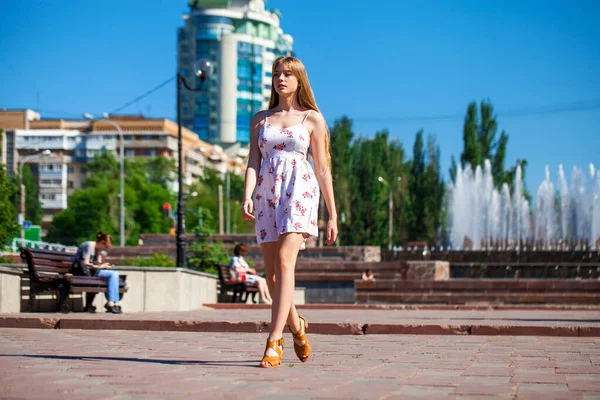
(253, 167)
(318, 143)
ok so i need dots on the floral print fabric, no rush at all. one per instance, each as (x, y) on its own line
(286, 197)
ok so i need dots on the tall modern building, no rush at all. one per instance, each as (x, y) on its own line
(242, 39)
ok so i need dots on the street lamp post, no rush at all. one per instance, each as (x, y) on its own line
(22, 162)
(121, 174)
(203, 69)
(390, 209)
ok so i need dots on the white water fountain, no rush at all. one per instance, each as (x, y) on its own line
(563, 217)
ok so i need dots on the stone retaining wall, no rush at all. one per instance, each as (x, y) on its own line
(150, 289)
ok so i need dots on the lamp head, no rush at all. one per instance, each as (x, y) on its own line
(203, 69)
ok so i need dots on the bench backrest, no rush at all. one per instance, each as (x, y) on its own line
(45, 265)
(224, 273)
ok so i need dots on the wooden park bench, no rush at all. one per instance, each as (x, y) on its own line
(50, 270)
(240, 290)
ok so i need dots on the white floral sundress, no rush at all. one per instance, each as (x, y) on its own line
(286, 197)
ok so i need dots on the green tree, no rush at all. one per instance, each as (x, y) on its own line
(434, 191)
(8, 214)
(33, 208)
(426, 191)
(472, 148)
(341, 150)
(453, 168)
(205, 207)
(416, 191)
(480, 144)
(367, 222)
(96, 205)
(498, 171)
(205, 252)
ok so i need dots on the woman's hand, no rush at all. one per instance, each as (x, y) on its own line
(105, 266)
(332, 232)
(248, 209)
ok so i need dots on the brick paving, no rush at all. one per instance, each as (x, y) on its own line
(111, 364)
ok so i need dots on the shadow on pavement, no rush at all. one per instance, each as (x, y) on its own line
(243, 363)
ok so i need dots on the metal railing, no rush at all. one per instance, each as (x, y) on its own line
(37, 244)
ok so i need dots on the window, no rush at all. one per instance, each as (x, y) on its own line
(83, 170)
(211, 19)
(70, 169)
(128, 137)
(208, 33)
(129, 153)
(202, 133)
(149, 137)
(243, 135)
(150, 153)
(71, 184)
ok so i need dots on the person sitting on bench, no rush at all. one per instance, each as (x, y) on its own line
(243, 273)
(89, 261)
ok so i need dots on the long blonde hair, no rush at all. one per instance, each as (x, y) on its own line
(304, 95)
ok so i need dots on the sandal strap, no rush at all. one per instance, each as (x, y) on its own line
(276, 345)
(274, 361)
(297, 335)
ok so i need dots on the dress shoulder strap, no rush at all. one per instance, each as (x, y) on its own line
(307, 114)
(266, 115)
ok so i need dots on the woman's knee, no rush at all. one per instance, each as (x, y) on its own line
(286, 264)
(114, 275)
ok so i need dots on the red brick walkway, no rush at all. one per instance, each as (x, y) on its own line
(108, 364)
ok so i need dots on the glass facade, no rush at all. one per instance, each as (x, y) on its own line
(207, 48)
(201, 39)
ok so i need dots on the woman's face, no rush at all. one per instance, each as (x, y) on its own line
(243, 251)
(102, 245)
(284, 81)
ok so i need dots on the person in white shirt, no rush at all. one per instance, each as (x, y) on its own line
(242, 272)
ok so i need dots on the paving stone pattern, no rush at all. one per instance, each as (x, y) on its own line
(110, 364)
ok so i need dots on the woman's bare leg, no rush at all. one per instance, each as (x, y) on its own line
(266, 289)
(271, 258)
(270, 251)
(263, 290)
(280, 267)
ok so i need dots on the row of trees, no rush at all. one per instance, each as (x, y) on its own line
(416, 182)
(149, 184)
(417, 185)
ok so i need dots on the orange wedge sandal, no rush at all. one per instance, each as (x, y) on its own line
(302, 350)
(275, 361)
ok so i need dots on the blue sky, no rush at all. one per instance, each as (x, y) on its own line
(395, 64)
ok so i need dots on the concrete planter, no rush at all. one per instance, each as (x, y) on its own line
(150, 289)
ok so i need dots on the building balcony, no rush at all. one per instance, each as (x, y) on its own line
(54, 204)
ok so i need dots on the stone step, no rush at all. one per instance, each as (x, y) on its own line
(480, 285)
(477, 298)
